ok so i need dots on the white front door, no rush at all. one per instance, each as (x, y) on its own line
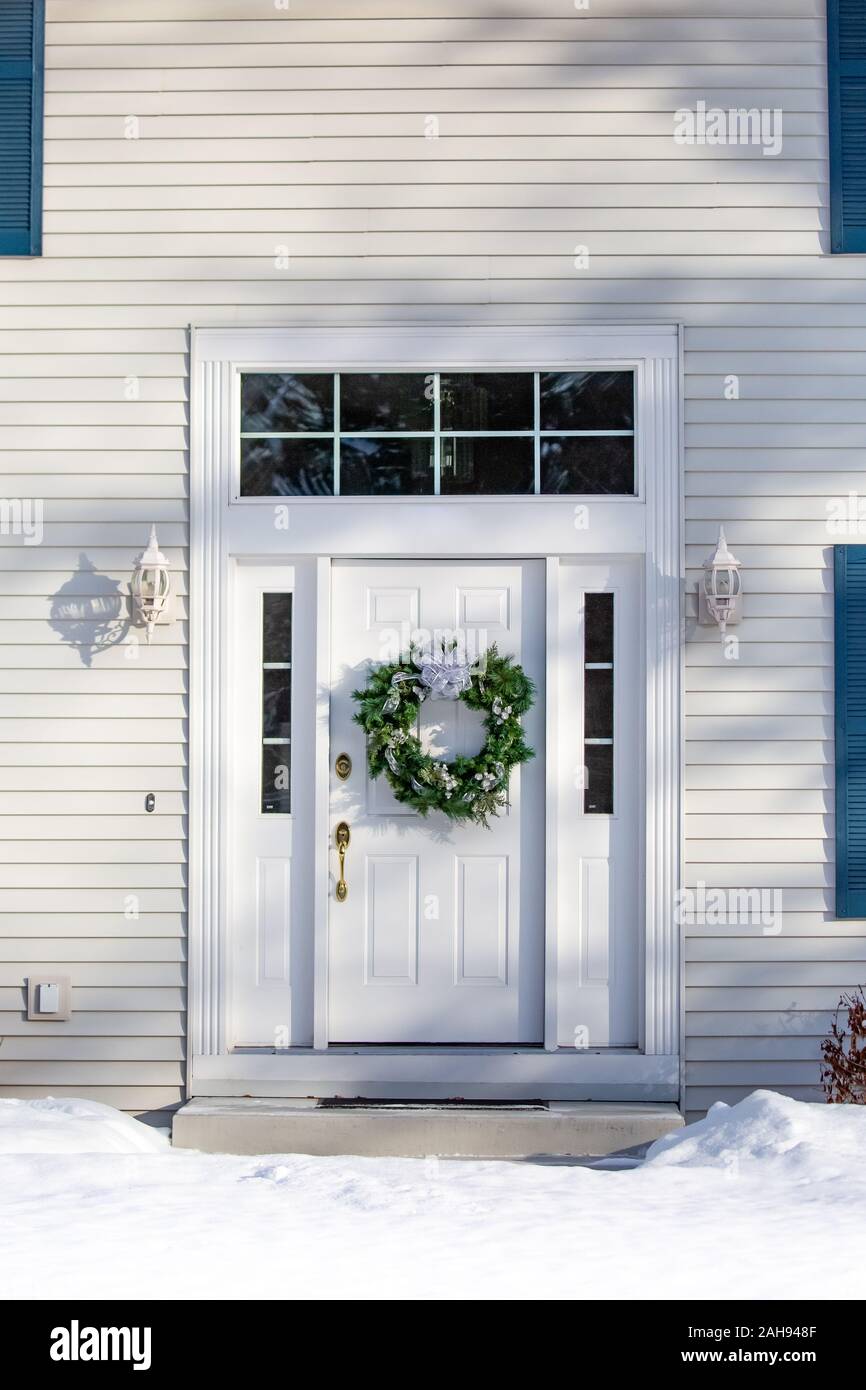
(440, 938)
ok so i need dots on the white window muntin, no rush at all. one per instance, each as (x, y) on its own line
(437, 434)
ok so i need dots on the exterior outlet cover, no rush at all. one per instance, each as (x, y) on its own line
(49, 999)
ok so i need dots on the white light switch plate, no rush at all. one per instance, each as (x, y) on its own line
(49, 998)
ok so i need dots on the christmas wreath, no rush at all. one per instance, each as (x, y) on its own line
(467, 789)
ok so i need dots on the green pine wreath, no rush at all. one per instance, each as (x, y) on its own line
(467, 789)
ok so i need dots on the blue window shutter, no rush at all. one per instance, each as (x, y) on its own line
(850, 634)
(22, 63)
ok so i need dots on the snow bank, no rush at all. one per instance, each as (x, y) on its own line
(768, 1128)
(766, 1199)
(73, 1127)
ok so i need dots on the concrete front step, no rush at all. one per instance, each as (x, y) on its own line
(554, 1129)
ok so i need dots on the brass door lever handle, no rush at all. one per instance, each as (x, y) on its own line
(341, 840)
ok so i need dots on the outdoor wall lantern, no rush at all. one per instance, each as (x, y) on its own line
(720, 595)
(151, 585)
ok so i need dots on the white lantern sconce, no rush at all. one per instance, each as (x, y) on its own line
(720, 596)
(151, 586)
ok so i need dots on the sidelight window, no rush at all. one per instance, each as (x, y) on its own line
(598, 619)
(276, 711)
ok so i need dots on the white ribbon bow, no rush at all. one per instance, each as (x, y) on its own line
(445, 675)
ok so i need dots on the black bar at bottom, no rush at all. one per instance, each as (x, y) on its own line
(72, 1337)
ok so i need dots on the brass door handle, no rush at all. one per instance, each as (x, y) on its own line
(341, 840)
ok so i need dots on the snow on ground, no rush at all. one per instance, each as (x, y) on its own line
(73, 1127)
(766, 1199)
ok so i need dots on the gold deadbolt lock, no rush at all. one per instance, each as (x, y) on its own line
(341, 840)
(343, 766)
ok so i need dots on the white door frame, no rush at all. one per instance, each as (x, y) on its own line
(225, 530)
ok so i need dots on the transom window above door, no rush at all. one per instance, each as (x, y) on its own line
(399, 434)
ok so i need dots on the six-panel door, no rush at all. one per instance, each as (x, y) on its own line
(440, 938)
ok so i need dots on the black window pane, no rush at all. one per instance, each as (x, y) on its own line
(485, 466)
(486, 401)
(598, 704)
(386, 401)
(277, 402)
(276, 704)
(598, 778)
(386, 467)
(587, 400)
(276, 778)
(598, 628)
(276, 701)
(287, 468)
(276, 628)
(593, 464)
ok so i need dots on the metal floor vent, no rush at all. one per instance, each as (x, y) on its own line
(362, 1103)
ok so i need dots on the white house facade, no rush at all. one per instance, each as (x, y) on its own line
(406, 322)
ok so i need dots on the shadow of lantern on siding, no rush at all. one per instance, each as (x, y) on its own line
(90, 612)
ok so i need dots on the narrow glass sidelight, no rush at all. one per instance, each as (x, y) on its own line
(276, 713)
(598, 687)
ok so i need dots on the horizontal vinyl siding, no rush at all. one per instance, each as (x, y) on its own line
(759, 750)
(85, 732)
(307, 129)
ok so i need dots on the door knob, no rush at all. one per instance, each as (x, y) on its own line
(341, 840)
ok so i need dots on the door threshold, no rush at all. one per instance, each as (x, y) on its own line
(424, 1047)
(434, 1049)
(472, 1073)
